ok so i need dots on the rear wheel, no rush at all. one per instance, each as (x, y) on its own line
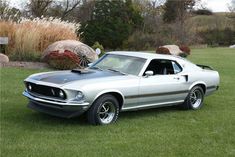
(104, 110)
(194, 99)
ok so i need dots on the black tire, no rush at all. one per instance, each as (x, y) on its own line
(104, 110)
(194, 100)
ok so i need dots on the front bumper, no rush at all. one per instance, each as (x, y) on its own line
(56, 108)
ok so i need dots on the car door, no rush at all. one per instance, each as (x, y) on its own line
(166, 86)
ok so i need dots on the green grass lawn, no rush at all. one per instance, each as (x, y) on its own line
(156, 132)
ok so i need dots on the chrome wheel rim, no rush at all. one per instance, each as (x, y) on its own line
(196, 98)
(106, 112)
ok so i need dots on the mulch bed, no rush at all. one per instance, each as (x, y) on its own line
(28, 65)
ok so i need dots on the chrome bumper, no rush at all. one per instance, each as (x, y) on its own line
(56, 108)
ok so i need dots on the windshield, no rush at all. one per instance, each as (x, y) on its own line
(120, 63)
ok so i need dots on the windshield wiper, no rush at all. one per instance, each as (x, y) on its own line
(95, 67)
(114, 70)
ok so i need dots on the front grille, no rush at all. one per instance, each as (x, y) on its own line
(45, 90)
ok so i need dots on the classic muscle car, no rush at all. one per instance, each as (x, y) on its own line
(121, 81)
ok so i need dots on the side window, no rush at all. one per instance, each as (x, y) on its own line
(161, 67)
(177, 68)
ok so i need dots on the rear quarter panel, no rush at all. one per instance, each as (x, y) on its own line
(209, 78)
(197, 75)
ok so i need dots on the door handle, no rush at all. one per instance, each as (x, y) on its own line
(176, 78)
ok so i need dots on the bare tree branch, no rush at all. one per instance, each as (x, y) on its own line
(70, 6)
(38, 7)
(231, 6)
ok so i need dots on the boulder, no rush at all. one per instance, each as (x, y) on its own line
(174, 49)
(232, 46)
(163, 50)
(3, 58)
(85, 53)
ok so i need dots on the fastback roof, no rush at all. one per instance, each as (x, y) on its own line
(145, 55)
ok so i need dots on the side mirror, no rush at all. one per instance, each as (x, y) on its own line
(148, 73)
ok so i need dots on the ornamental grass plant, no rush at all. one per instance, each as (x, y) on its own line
(29, 37)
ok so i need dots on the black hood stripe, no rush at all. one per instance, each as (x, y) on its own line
(68, 76)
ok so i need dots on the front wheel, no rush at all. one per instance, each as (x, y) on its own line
(194, 99)
(104, 110)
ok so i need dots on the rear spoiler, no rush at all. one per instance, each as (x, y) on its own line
(204, 67)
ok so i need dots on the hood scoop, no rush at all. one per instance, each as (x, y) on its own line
(81, 71)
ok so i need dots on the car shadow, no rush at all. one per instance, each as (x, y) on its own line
(45, 119)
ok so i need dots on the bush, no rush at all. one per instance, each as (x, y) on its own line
(184, 55)
(163, 50)
(62, 61)
(139, 41)
(28, 56)
(30, 37)
(203, 12)
(217, 37)
(185, 49)
(98, 45)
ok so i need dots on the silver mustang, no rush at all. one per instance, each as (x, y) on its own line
(121, 81)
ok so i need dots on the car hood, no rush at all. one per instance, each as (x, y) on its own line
(64, 77)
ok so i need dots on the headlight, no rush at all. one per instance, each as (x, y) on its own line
(61, 94)
(29, 87)
(79, 96)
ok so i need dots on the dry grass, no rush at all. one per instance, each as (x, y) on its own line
(28, 38)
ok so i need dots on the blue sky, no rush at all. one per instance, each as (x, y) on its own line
(214, 5)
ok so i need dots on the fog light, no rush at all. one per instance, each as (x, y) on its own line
(61, 94)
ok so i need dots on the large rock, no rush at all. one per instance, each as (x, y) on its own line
(3, 58)
(174, 49)
(85, 53)
(232, 46)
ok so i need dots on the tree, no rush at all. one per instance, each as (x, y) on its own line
(231, 7)
(177, 9)
(7, 12)
(84, 12)
(3, 6)
(37, 8)
(152, 15)
(111, 23)
(231, 15)
(176, 14)
(64, 9)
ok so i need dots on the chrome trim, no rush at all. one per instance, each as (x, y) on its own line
(36, 95)
(43, 83)
(156, 94)
(153, 105)
(26, 94)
